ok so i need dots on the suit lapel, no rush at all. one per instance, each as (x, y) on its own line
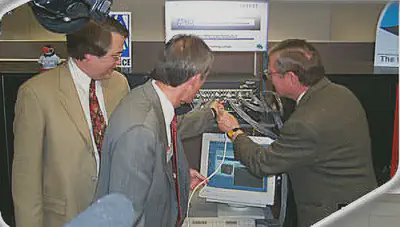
(155, 100)
(107, 96)
(70, 101)
(314, 89)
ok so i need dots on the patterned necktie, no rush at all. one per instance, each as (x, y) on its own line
(98, 123)
(175, 168)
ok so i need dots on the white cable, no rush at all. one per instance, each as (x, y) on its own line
(208, 178)
(2, 223)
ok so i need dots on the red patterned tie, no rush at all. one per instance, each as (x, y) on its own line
(98, 123)
(175, 168)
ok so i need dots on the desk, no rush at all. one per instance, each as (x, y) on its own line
(199, 207)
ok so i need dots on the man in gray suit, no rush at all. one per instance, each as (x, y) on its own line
(138, 152)
(324, 146)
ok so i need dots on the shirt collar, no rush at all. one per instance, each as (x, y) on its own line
(300, 97)
(166, 105)
(81, 77)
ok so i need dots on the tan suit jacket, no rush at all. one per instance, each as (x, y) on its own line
(54, 170)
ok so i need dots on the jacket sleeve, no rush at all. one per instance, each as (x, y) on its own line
(195, 123)
(127, 87)
(27, 165)
(294, 147)
(132, 168)
(120, 83)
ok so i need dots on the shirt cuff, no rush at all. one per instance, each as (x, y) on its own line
(214, 113)
(239, 152)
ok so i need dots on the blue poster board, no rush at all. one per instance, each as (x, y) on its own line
(125, 19)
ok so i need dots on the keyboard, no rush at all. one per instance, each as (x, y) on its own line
(219, 222)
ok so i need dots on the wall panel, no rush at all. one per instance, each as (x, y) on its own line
(314, 20)
(299, 20)
(21, 24)
(355, 22)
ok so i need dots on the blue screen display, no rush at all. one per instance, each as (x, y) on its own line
(232, 174)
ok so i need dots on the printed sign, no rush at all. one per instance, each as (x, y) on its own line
(125, 19)
(224, 25)
(387, 37)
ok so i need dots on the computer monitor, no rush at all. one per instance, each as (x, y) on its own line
(233, 184)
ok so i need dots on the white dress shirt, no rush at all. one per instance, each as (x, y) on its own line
(168, 112)
(82, 82)
(300, 97)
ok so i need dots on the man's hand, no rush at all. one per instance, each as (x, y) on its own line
(218, 107)
(227, 122)
(196, 178)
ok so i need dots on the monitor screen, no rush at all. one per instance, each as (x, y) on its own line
(232, 182)
(239, 25)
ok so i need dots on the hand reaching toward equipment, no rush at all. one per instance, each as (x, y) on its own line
(195, 178)
(218, 109)
(227, 122)
(218, 106)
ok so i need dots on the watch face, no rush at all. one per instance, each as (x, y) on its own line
(230, 134)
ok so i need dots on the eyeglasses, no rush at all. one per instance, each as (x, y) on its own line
(116, 57)
(269, 74)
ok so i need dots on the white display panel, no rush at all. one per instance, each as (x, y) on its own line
(233, 184)
(223, 25)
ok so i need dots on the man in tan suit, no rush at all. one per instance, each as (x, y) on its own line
(60, 117)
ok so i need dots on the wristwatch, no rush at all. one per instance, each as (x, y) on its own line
(232, 132)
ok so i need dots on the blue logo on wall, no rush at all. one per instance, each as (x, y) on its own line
(390, 20)
(125, 19)
(387, 37)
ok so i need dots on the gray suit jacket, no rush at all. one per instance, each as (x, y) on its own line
(325, 148)
(134, 157)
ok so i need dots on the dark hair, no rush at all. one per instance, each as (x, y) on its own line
(299, 57)
(184, 57)
(94, 38)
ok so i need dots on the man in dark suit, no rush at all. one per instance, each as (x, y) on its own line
(324, 146)
(58, 115)
(142, 157)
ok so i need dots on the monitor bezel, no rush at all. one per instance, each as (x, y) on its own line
(234, 196)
